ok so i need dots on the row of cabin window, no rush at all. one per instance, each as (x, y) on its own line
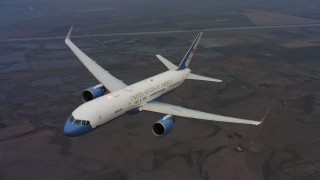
(118, 110)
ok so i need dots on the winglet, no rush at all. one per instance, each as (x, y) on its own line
(69, 34)
(264, 117)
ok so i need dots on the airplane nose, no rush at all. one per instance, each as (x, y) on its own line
(69, 129)
(72, 129)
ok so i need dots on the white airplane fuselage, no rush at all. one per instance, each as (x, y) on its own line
(110, 106)
(101, 108)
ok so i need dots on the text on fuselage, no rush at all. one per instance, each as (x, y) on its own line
(151, 90)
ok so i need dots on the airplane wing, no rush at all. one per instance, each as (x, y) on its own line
(103, 76)
(164, 108)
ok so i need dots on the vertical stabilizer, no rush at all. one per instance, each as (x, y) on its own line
(187, 58)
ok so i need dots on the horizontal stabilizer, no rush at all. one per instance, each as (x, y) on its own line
(202, 78)
(166, 62)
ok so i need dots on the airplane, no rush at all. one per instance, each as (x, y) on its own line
(101, 107)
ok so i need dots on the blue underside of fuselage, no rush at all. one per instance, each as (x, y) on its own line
(72, 130)
(134, 111)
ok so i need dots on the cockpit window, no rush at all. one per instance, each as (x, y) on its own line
(79, 122)
(71, 119)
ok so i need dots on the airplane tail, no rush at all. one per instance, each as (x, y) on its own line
(185, 62)
(187, 58)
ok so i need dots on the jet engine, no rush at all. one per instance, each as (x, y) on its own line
(163, 126)
(93, 92)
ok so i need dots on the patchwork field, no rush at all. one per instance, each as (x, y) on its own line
(41, 83)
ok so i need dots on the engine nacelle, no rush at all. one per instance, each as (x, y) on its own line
(93, 92)
(163, 126)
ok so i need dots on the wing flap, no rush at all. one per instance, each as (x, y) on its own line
(164, 108)
(103, 76)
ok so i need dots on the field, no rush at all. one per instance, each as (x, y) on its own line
(277, 67)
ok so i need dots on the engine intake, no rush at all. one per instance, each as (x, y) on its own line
(163, 126)
(93, 92)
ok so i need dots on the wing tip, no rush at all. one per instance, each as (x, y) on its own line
(69, 34)
(264, 117)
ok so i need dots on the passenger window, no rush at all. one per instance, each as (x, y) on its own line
(83, 123)
(88, 123)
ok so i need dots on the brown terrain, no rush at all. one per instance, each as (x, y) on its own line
(41, 83)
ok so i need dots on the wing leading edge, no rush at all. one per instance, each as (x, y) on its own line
(164, 108)
(103, 76)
